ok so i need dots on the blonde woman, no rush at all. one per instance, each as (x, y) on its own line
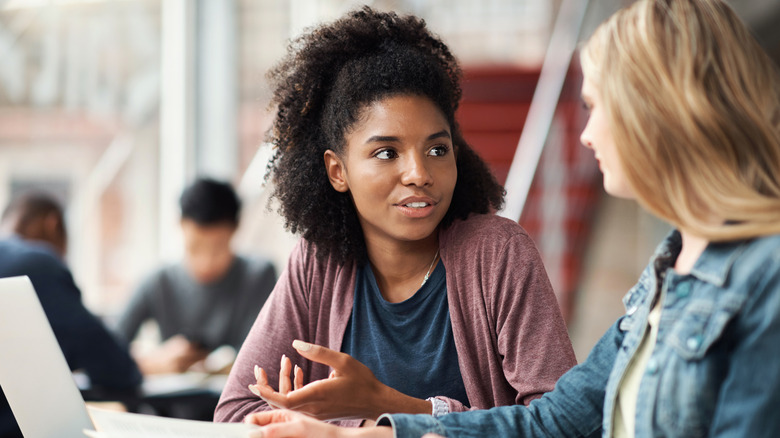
(685, 119)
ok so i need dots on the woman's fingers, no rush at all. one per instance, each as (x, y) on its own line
(273, 405)
(274, 399)
(284, 375)
(287, 424)
(267, 394)
(297, 378)
(263, 390)
(341, 395)
(261, 418)
(278, 400)
(324, 355)
(262, 381)
(260, 376)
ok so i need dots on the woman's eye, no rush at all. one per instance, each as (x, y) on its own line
(385, 154)
(587, 107)
(438, 151)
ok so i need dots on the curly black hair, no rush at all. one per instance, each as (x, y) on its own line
(327, 78)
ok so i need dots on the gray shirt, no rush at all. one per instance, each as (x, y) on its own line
(211, 315)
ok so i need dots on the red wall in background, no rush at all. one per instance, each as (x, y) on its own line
(494, 107)
(491, 116)
(493, 110)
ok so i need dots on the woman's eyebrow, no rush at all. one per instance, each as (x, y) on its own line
(389, 138)
(441, 134)
(382, 139)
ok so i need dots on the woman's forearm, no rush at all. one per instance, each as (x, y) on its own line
(367, 432)
(390, 400)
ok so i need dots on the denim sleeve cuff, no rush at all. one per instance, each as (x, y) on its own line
(411, 426)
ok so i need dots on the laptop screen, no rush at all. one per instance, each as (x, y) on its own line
(34, 375)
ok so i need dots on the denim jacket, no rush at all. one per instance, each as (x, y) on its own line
(714, 371)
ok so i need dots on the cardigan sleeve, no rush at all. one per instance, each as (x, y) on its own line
(511, 338)
(532, 336)
(283, 318)
(303, 305)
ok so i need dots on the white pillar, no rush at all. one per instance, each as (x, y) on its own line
(216, 88)
(176, 118)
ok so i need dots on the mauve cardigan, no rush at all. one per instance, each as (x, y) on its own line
(511, 339)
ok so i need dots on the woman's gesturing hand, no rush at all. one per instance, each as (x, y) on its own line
(352, 391)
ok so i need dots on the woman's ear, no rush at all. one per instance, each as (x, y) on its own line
(336, 171)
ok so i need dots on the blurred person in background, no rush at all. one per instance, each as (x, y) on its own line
(33, 243)
(208, 300)
(685, 119)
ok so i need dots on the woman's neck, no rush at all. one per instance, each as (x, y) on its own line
(692, 247)
(400, 267)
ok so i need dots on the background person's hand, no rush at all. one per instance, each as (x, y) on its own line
(351, 392)
(176, 355)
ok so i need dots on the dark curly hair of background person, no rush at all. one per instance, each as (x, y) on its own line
(327, 77)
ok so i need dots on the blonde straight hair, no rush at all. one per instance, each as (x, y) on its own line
(693, 104)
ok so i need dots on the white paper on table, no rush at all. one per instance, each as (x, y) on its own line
(112, 424)
(167, 384)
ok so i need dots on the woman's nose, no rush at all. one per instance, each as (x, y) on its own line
(585, 138)
(416, 172)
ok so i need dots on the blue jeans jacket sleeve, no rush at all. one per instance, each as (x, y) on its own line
(749, 398)
(573, 409)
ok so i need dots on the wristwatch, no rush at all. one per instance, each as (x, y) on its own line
(439, 407)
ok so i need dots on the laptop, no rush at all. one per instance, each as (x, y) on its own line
(34, 375)
(44, 397)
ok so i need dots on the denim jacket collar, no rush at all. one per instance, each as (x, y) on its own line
(715, 263)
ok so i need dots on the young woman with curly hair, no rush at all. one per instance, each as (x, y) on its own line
(404, 283)
(685, 119)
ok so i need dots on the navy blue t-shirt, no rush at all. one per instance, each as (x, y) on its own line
(408, 345)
